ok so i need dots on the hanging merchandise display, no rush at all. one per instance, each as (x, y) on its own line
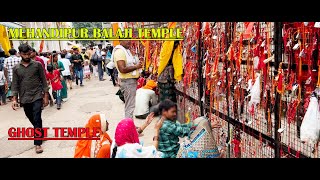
(299, 72)
(187, 89)
(255, 82)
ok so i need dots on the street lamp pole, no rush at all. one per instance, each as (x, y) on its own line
(58, 26)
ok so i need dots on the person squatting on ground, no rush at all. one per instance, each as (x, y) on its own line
(146, 100)
(102, 146)
(127, 143)
(29, 82)
(171, 130)
(128, 73)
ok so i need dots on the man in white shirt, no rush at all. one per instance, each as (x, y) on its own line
(69, 54)
(145, 98)
(67, 66)
(99, 64)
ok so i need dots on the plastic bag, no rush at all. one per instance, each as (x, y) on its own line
(255, 94)
(121, 96)
(310, 127)
(256, 61)
(200, 143)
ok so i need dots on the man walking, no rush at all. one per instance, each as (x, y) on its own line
(30, 83)
(83, 53)
(89, 54)
(99, 63)
(110, 67)
(9, 63)
(77, 61)
(128, 74)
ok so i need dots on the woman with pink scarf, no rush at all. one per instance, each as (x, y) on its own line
(127, 144)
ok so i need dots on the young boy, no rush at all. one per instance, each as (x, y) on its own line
(171, 130)
(54, 77)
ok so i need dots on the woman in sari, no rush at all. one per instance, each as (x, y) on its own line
(59, 65)
(102, 147)
(170, 70)
(127, 144)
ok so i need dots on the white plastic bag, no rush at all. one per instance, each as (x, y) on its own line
(317, 24)
(310, 127)
(255, 94)
(256, 62)
(249, 85)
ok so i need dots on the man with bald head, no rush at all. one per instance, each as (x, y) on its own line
(128, 70)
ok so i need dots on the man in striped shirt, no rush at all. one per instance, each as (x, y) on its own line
(9, 63)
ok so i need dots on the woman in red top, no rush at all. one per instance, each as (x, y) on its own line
(54, 77)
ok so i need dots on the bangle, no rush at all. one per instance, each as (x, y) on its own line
(155, 138)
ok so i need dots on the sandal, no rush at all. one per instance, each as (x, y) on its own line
(39, 149)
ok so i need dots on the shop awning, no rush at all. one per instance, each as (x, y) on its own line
(11, 24)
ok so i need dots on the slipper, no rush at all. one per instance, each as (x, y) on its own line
(39, 149)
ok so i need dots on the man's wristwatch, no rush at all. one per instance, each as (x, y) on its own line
(155, 138)
(140, 130)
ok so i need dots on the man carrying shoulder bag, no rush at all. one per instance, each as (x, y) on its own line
(97, 61)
